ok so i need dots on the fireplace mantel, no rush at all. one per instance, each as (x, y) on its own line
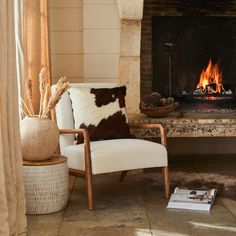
(191, 125)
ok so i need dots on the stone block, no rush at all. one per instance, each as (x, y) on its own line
(130, 9)
(101, 65)
(130, 76)
(130, 38)
(101, 17)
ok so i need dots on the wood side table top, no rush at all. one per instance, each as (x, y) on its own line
(55, 159)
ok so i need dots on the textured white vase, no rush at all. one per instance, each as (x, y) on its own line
(39, 138)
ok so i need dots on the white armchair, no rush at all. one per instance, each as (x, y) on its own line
(99, 157)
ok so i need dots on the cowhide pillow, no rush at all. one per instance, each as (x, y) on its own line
(101, 111)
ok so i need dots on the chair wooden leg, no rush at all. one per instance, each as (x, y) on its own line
(89, 185)
(122, 175)
(165, 171)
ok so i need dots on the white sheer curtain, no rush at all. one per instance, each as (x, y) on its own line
(18, 21)
(12, 195)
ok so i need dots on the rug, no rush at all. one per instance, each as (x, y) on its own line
(226, 184)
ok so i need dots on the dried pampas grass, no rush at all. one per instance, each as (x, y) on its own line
(42, 85)
(62, 87)
(26, 107)
(29, 95)
(46, 103)
(45, 97)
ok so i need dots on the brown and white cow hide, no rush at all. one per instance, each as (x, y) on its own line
(101, 111)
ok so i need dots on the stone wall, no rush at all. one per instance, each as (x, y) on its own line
(85, 40)
(66, 39)
(146, 48)
(101, 40)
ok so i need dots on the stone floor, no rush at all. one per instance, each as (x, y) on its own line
(136, 207)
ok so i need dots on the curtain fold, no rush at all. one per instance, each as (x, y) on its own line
(18, 20)
(12, 193)
(36, 44)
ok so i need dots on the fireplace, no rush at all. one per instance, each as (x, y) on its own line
(189, 52)
(194, 61)
(136, 72)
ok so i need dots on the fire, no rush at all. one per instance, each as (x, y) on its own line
(209, 76)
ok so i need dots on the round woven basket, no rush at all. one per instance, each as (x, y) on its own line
(46, 187)
(156, 112)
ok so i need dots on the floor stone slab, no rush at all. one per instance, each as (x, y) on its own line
(137, 207)
(45, 225)
(184, 222)
(119, 206)
(72, 230)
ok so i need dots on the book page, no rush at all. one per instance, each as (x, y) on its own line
(188, 198)
(208, 193)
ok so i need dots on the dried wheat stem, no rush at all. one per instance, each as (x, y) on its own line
(22, 110)
(61, 81)
(63, 86)
(29, 94)
(45, 98)
(42, 84)
(26, 107)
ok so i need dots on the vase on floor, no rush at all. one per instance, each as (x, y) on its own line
(39, 138)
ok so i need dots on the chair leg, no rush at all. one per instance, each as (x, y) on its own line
(89, 185)
(165, 171)
(122, 175)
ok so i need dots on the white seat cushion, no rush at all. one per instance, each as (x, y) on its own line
(117, 155)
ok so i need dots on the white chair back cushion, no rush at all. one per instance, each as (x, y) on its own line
(64, 112)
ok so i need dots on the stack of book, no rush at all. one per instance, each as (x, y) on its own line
(192, 199)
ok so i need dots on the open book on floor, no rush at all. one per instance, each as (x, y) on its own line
(192, 199)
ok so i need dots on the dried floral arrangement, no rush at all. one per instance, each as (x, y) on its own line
(46, 103)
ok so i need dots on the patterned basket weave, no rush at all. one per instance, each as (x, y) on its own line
(47, 188)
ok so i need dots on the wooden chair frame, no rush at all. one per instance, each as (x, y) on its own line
(87, 174)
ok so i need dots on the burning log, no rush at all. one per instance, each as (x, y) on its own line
(211, 76)
(226, 92)
(210, 82)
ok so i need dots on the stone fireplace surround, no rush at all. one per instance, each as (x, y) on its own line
(131, 13)
(191, 125)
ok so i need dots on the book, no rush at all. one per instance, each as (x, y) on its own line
(192, 199)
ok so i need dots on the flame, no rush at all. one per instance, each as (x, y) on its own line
(211, 75)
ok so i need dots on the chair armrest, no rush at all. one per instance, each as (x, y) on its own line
(152, 126)
(86, 143)
(76, 131)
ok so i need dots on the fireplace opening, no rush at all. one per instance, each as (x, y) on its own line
(194, 61)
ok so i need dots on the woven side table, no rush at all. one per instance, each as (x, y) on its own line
(46, 185)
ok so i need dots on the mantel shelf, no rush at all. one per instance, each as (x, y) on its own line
(190, 125)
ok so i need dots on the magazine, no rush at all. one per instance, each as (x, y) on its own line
(192, 199)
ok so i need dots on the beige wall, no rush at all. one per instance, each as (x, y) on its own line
(85, 40)
(101, 41)
(66, 36)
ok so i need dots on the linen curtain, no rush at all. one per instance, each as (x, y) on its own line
(18, 20)
(36, 45)
(12, 194)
